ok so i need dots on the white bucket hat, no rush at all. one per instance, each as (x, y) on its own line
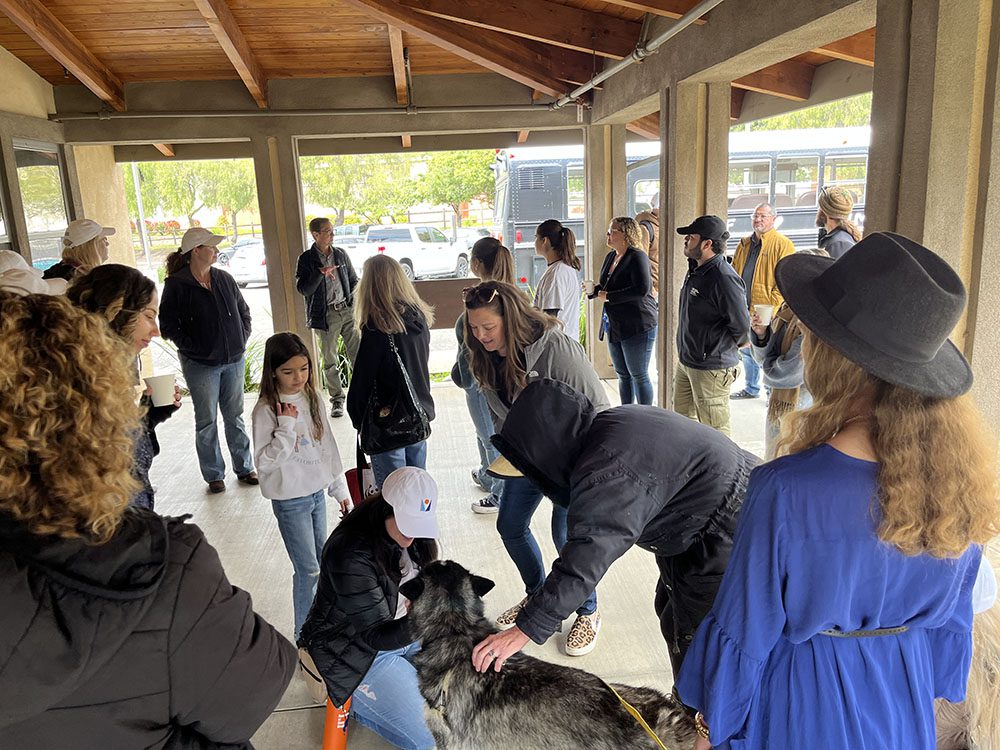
(198, 236)
(80, 231)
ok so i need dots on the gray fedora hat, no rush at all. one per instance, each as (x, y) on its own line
(887, 305)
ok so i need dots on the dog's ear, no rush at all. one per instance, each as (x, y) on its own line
(412, 589)
(481, 586)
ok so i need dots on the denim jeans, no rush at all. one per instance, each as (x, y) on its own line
(630, 358)
(388, 700)
(518, 501)
(483, 422)
(302, 523)
(383, 464)
(213, 387)
(752, 371)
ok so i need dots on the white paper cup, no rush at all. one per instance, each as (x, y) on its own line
(588, 286)
(765, 313)
(163, 389)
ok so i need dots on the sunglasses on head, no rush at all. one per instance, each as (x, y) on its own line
(473, 294)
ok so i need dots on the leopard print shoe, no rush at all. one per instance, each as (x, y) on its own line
(582, 637)
(509, 617)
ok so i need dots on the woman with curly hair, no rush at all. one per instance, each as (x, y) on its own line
(846, 608)
(127, 301)
(118, 628)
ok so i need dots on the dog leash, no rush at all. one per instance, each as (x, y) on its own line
(638, 717)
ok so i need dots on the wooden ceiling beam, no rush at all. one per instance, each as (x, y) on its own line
(665, 8)
(859, 48)
(227, 32)
(736, 103)
(48, 32)
(164, 148)
(522, 136)
(398, 65)
(790, 79)
(407, 140)
(536, 65)
(542, 21)
(647, 127)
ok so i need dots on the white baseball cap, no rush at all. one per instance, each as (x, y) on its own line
(413, 495)
(197, 236)
(18, 277)
(85, 230)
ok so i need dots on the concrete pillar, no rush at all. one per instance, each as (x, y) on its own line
(694, 129)
(606, 198)
(276, 165)
(98, 188)
(935, 123)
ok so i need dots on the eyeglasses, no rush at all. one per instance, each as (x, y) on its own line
(613, 230)
(470, 293)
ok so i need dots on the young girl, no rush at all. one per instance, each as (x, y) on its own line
(297, 460)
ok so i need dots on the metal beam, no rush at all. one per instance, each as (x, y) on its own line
(227, 32)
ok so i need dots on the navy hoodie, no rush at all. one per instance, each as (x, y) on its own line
(210, 327)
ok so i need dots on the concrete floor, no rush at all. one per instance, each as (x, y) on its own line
(240, 525)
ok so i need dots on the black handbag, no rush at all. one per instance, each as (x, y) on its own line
(394, 420)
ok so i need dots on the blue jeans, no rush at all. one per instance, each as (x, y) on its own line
(302, 523)
(388, 700)
(383, 464)
(752, 371)
(483, 422)
(519, 499)
(630, 358)
(213, 387)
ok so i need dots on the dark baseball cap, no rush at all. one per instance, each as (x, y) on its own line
(706, 227)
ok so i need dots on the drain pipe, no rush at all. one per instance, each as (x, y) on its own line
(640, 53)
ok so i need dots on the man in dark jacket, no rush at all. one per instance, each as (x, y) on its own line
(326, 277)
(139, 642)
(713, 323)
(630, 475)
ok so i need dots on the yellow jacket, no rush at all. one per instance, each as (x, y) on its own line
(774, 247)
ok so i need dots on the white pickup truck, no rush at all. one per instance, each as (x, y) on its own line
(423, 251)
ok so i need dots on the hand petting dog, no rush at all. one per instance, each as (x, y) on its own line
(498, 648)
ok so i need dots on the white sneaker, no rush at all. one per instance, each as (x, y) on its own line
(582, 637)
(486, 504)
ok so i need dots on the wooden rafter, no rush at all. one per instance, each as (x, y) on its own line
(522, 136)
(48, 32)
(543, 21)
(398, 65)
(859, 48)
(665, 8)
(230, 37)
(790, 79)
(407, 140)
(736, 103)
(537, 65)
(164, 148)
(647, 127)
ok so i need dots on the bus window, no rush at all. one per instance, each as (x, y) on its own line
(575, 194)
(796, 180)
(643, 192)
(847, 171)
(749, 183)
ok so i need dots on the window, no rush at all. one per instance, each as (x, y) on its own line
(389, 235)
(643, 193)
(796, 181)
(423, 234)
(849, 172)
(749, 184)
(437, 235)
(575, 194)
(39, 175)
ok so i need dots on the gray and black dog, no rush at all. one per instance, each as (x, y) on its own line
(530, 703)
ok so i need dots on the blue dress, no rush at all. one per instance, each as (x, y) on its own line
(806, 558)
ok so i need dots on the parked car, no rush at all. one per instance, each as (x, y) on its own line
(226, 253)
(248, 265)
(468, 236)
(423, 251)
(349, 234)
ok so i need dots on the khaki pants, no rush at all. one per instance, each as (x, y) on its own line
(704, 395)
(340, 323)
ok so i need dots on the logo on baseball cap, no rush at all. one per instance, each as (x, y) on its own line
(413, 495)
(84, 230)
(198, 236)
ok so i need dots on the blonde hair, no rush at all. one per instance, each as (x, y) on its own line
(630, 228)
(384, 294)
(67, 419)
(937, 477)
(86, 256)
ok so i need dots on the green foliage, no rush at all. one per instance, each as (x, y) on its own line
(253, 365)
(372, 187)
(850, 112)
(41, 191)
(456, 177)
(583, 320)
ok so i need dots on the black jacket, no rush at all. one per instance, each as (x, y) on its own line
(630, 475)
(351, 618)
(630, 307)
(714, 320)
(837, 242)
(375, 366)
(61, 270)
(209, 327)
(139, 642)
(311, 282)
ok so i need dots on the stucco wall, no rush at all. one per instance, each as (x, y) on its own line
(102, 192)
(23, 92)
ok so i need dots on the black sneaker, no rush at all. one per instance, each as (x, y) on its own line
(487, 504)
(475, 481)
(744, 394)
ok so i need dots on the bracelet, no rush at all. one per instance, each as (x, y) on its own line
(700, 726)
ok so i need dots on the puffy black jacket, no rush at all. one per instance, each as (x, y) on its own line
(630, 475)
(311, 283)
(209, 326)
(138, 642)
(352, 616)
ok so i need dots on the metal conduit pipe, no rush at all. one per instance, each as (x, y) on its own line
(640, 53)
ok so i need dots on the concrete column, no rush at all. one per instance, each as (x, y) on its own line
(99, 191)
(694, 128)
(276, 164)
(604, 165)
(935, 123)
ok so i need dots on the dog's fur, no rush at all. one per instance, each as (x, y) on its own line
(530, 703)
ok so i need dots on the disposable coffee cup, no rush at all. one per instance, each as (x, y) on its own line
(163, 389)
(765, 313)
(588, 286)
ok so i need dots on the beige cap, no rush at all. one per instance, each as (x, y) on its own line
(198, 236)
(80, 231)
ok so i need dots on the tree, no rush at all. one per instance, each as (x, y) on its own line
(456, 177)
(383, 186)
(229, 184)
(329, 181)
(850, 112)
